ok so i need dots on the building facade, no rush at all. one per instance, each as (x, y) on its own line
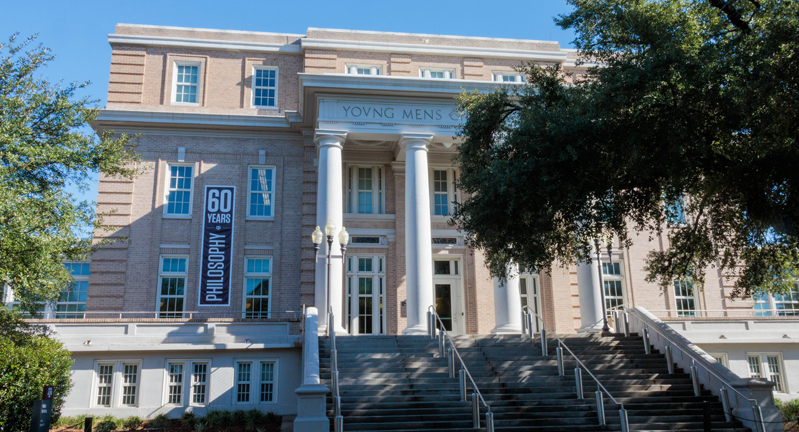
(279, 134)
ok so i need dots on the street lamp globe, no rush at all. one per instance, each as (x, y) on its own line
(344, 237)
(316, 236)
(330, 228)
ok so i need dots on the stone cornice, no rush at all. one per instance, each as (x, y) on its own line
(178, 42)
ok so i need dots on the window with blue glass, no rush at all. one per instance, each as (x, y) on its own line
(675, 212)
(172, 286)
(442, 191)
(787, 304)
(264, 87)
(365, 190)
(179, 190)
(685, 298)
(257, 294)
(186, 83)
(260, 193)
(72, 301)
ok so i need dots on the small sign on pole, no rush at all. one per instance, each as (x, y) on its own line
(42, 411)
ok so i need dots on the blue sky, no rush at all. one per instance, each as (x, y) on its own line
(76, 30)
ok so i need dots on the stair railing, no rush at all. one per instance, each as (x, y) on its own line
(452, 353)
(578, 375)
(338, 419)
(757, 413)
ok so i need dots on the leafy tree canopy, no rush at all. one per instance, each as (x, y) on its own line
(693, 100)
(45, 146)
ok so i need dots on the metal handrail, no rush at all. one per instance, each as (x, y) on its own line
(563, 344)
(489, 415)
(338, 419)
(177, 315)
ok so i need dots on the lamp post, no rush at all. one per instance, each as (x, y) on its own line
(605, 326)
(343, 239)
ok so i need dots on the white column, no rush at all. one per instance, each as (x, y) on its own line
(418, 246)
(329, 203)
(590, 297)
(508, 303)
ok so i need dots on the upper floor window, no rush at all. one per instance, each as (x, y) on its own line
(186, 82)
(675, 213)
(257, 278)
(172, 286)
(365, 190)
(508, 77)
(442, 191)
(260, 204)
(363, 70)
(72, 301)
(778, 304)
(179, 190)
(264, 87)
(437, 73)
(685, 298)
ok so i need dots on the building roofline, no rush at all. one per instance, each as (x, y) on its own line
(200, 29)
(433, 35)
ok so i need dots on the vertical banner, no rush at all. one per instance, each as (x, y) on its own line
(217, 246)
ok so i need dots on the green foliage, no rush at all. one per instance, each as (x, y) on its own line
(188, 419)
(29, 360)
(212, 418)
(43, 148)
(201, 426)
(75, 421)
(789, 409)
(105, 426)
(132, 422)
(161, 421)
(690, 102)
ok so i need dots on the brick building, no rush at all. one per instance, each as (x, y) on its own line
(352, 127)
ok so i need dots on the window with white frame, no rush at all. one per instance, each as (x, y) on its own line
(72, 301)
(762, 304)
(613, 279)
(366, 189)
(186, 382)
(243, 381)
(437, 73)
(529, 291)
(257, 287)
(172, 286)
(116, 383)
(508, 77)
(366, 294)
(264, 87)
(721, 358)
(442, 191)
(769, 366)
(255, 381)
(361, 69)
(186, 82)
(260, 204)
(787, 304)
(267, 384)
(685, 299)
(179, 190)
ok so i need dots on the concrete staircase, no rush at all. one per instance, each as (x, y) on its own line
(399, 383)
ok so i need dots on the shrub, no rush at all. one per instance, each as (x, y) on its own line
(789, 409)
(201, 426)
(161, 421)
(105, 426)
(212, 418)
(29, 360)
(132, 422)
(188, 419)
(272, 418)
(75, 421)
(225, 418)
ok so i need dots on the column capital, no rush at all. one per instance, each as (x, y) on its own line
(415, 141)
(328, 137)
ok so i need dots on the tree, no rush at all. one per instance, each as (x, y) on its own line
(44, 146)
(686, 101)
(29, 360)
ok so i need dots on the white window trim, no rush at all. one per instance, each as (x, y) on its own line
(188, 371)
(424, 72)
(537, 297)
(694, 291)
(168, 175)
(272, 193)
(351, 308)
(116, 382)
(255, 381)
(162, 274)
(351, 189)
(175, 82)
(78, 278)
(262, 275)
(725, 360)
(619, 277)
(772, 311)
(277, 86)
(374, 70)
(764, 370)
(452, 193)
(519, 77)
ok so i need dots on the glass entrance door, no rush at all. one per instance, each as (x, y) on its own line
(444, 305)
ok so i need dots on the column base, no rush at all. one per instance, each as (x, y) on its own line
(311, 409)
(340, 331)
(415, 330)
(507, 329)
(595, 328)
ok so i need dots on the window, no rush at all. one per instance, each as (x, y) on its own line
(175, 394)
(445, 240)
(264, 87)
(363, 70)
(72, 301)
(675, 213)
(199, 384)
(186, 82)
(721, 358)
(243, 378)
(437, 73)
(365, 240)
(528, 289)
(260, 204)
(762, 304)
(267, 381)
(105, 382)
(613, 280)
(179, 190)
(769, 366)
(172, 286)
(684, 297)
(187, 382)
(257, 279)
(366, 189)
(508, 77)
(442, 191)
(117, 383)
(787, 304)
(366, 294)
